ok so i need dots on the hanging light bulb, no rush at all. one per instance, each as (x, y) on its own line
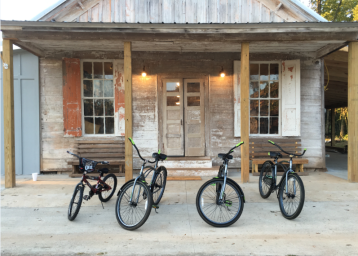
(144, 74)
(222, 73)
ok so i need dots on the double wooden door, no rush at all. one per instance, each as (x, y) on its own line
(183, 117)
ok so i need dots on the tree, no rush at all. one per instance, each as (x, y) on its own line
(335, 10)
(355, 13)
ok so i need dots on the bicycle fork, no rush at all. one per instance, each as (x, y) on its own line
(224, 185)
(294, 181)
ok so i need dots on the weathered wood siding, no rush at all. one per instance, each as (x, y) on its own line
(181, 11)
(219, 126)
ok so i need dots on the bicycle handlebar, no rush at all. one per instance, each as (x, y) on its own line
(273, 143)
(232, 149)
(73, 154)
(103, 162)
(131, 140)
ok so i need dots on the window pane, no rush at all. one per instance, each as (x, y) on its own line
(264, 71)
(254, 125)
(98, 88)
(254, 107)
(108, 70)
(173, 100)
(89, 125)
(193, 101)
(99, 125)
(98, 107)
(254, 71)
(274, 71)
(87, 70)
(173, 86)
(264, 107)
(193, 87)
(273, 125)
(87, 88)
(108, 88)
(254, 89)
(88, 107)
(109, 125)
(274, 107)
(274, 89)
(108, 104)
(98, 69)
(264, 89)
(263, 125)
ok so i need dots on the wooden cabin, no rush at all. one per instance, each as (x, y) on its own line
(217, 73)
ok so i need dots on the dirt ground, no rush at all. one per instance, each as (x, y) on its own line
(34, 222)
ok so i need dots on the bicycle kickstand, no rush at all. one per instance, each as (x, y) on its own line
(155, 208)
(102, 205)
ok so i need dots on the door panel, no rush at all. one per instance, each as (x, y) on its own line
(194, 117)
(173, 117)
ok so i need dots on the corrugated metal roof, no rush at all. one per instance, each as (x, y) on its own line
(48, 10)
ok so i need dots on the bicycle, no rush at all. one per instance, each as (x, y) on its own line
(220, 201)
(104, 188)
(291, 196)
(136, 197)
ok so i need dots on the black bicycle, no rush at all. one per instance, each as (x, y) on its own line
(291, 192)
(220, 201)
(136, 198)
(104, 188)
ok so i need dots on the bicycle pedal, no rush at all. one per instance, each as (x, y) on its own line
(86, 197)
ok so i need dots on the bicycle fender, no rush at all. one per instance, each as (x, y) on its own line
(119, 191)
(237, 186)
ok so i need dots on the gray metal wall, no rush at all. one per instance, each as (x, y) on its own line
(27, 114)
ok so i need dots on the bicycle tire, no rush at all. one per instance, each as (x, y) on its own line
(127, 207)
(114, 186)
(162, 180)
(296, 213)
(201, 202)
(70, 214)
(265, 180)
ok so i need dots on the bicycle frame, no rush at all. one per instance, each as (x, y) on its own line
(290, 170)
(226, 162)
(94, 188)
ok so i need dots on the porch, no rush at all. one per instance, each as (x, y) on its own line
(34, 221)
(216, 47)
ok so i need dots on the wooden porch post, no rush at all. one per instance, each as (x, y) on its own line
(9, 127)
(244, 92)
(353, 112)
(333, 126)
(128, 110)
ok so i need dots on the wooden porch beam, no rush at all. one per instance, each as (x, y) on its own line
(128, 148)
(333, 126)
(30, 48)
(9, 127)
(353, 110)
(329, 49)
(244, 92)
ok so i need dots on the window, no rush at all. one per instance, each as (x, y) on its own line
(97, 97)
(264, 98)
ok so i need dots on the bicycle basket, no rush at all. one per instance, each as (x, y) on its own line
(88, 165)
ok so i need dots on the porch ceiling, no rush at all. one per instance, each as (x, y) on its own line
(42, 38)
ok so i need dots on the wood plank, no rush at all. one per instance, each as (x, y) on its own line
(128, 110)
(102, 150)
(9, 126)
(100, 146)
(100, 142)
(278, 140)
(183, 178)
(244, 92)
(78, 175)
(294, 160)
(260, 145)
(111, 161)
(353, 110)
(333, 127)
(102, 155)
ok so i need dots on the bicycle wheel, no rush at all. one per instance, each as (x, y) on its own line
(159, 186)
(266, 180)
(291, 203)
(214, 212)
(110, 180)
(75, 203)
(133, 215)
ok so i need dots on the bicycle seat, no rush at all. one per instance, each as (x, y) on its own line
(159, 156)
(274, 154)
(223, 155)
(103, 170)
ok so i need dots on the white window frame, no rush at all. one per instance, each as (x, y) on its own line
(82, 99)
(279, 99)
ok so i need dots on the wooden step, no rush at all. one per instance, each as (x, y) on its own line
(211, 172)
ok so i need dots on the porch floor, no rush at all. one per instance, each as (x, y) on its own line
(34, 221)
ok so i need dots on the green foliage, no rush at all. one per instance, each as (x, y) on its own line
(355, 13)
(335, 10)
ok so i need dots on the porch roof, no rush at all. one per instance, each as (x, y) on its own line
(314, 38)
